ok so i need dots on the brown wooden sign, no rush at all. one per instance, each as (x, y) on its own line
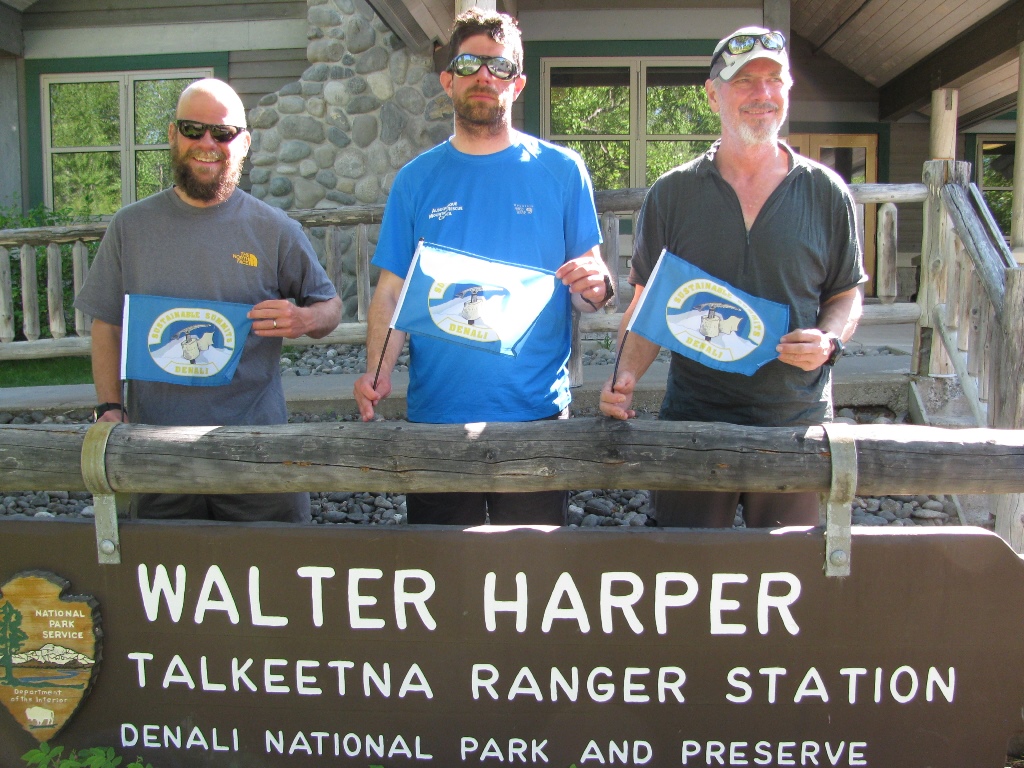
(275, 645)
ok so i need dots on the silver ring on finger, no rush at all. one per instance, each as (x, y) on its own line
(275, 323)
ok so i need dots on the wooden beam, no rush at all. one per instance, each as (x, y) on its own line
(546, 455)
(12, 41)
(974, 50)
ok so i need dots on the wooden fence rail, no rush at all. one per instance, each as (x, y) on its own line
(577, 453)
(29, 245)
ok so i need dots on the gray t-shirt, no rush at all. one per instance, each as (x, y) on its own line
(800, 251)
(241, 250)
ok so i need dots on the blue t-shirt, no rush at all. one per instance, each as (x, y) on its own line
(530, 204)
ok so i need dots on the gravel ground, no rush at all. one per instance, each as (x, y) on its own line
(587, 508)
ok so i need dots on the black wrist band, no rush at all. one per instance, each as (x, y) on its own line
(609, 293)
(102, 408)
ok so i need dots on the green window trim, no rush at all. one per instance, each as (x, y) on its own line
(35, 69)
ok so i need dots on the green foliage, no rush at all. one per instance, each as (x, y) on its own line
(678, 125)
(91, 757)
(41, 216)
(11, 639)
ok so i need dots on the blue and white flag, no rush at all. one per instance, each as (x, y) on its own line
(182, 341)
(472, 300)
(688, 311)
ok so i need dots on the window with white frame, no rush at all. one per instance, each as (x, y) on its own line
(994, 165)
(630, 118)
(105, 136)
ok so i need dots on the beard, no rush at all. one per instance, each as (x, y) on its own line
(214, 189)
(480, 117)
(764, 131)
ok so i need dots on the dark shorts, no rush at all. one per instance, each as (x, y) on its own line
(717, 509)
(230, 507)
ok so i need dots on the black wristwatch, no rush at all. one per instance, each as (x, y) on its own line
(837, 349)
(609, 293)
(102, 408)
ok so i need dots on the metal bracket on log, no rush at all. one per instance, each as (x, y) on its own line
(94, 472)
(843, 448)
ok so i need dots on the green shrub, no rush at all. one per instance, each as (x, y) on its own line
(91, 757)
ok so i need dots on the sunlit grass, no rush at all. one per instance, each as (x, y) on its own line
(52, 371)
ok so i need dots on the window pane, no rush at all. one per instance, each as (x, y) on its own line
(84, 115)
(1000, 203)
(89, 183)
(155, 101)
(663, 156)
(677, 104)
(152, 172)
(848, 162)
(997, 164)
(590, 100)
(607, 161)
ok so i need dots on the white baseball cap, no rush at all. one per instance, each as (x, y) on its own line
(745, 45)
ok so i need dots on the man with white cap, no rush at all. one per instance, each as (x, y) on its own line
(763, 220)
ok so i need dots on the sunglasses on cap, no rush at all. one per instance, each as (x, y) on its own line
(740, 44)
(466, 64)
(190, 129)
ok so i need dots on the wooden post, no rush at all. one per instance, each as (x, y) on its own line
(1006, 408)
(886, 254)
(55, 291)
(29, 293)
(6, 297)
(363, 291)
(79, 270)
(942, 137)
(1017, 206)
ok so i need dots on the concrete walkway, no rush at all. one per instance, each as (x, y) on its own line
(869, 379)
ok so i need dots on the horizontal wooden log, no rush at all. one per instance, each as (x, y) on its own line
(889, 193)
(572, 454)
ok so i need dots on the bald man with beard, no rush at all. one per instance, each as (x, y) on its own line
(204, 238)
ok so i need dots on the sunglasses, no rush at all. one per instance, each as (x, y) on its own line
(770, 41)
(466, 64)
(190, 129)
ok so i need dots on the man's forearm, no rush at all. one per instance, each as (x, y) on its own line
(382, 309)
(841, 313)
(324, 317)
(106, 361)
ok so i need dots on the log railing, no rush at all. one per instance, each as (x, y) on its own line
(972, 313)
(835, 460)
(28, 246)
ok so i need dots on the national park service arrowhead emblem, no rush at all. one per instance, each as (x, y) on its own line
(49, 651)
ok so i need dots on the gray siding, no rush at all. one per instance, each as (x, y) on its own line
(254, 74)
(70, 14)
(907, 154)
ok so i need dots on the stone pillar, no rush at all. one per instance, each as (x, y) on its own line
(336, 137)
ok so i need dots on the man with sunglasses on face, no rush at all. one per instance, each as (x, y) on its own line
(752, 214)
(492, 191)
(206, 239)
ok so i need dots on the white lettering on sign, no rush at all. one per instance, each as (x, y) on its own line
(601, 684)
(412, 588)
(621, 591)
(904, 685)
(781, 753)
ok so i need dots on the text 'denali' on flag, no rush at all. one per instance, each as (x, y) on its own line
(472, 300)
(686, 310)
(182, 341)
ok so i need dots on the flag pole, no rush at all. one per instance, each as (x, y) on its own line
(381, 361)
(398, 309)
(632, 317)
